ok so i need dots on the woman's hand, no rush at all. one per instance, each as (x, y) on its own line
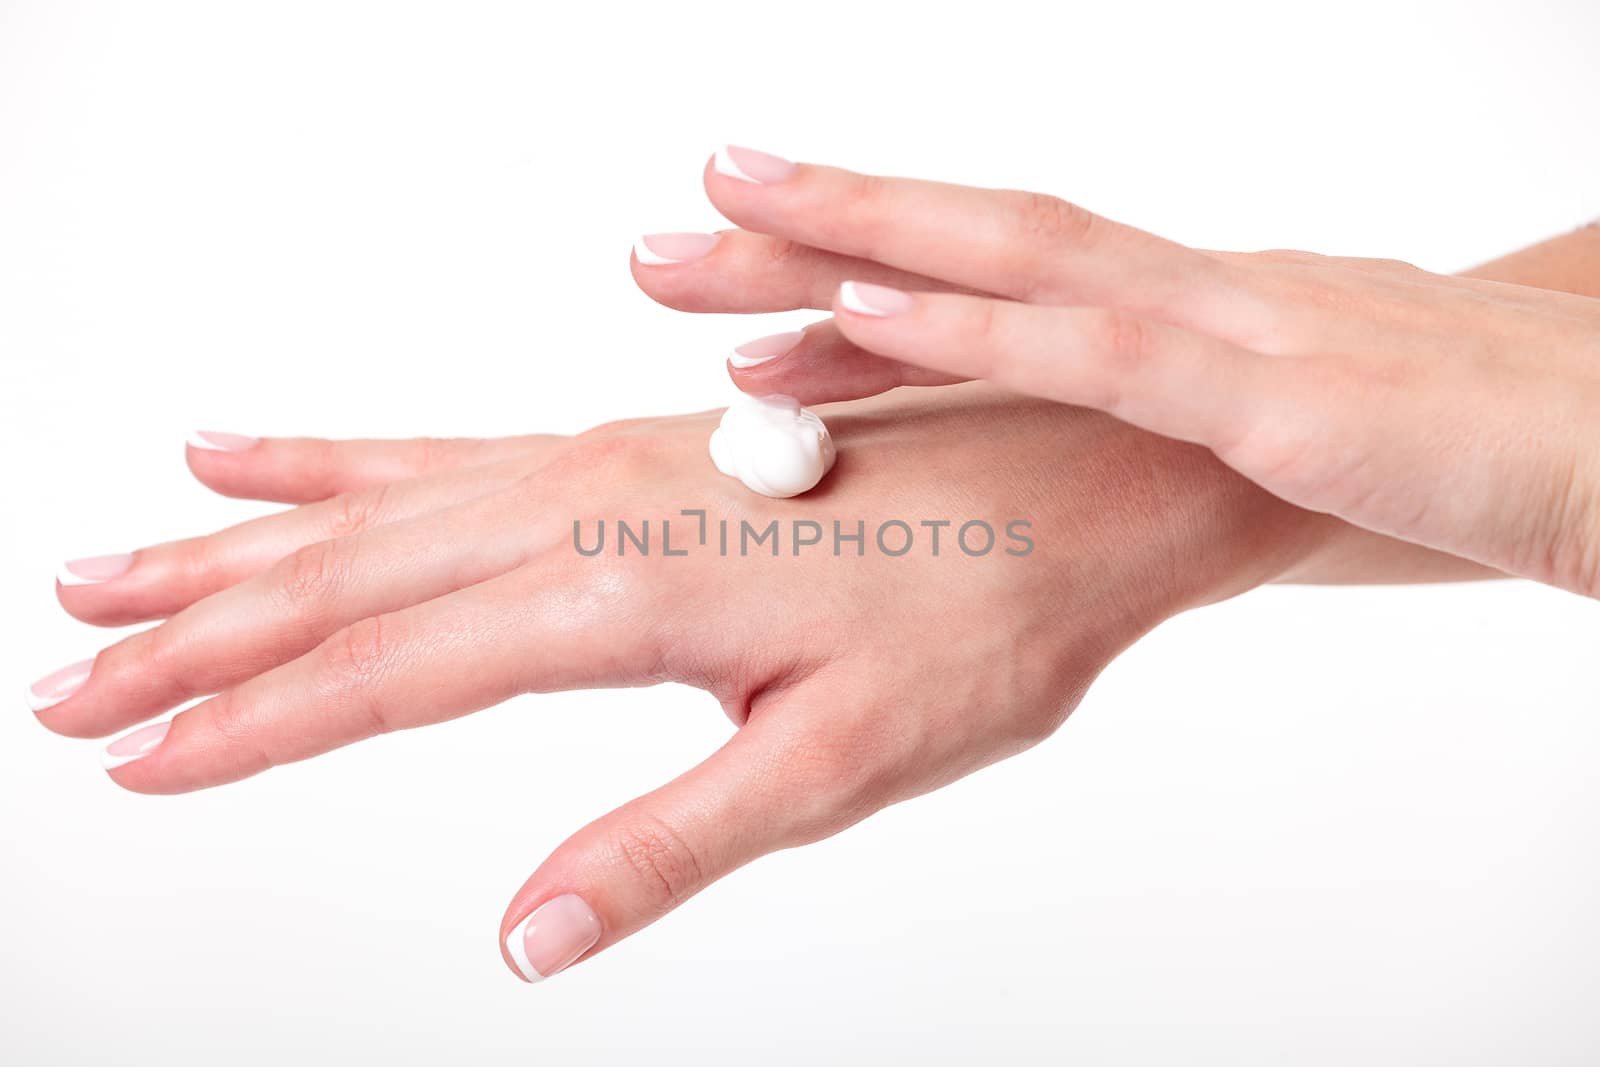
(1454, 413)
(421, 581)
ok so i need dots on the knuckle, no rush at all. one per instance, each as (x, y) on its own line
(1386, 265)
(983, 323)
(1118, 348)
(782, 255)
(1285, 450)
(862, 220)
(865, 190)
(431, 454)
(315, 459)
(981, 337)
(1279, 456)
(236, 723)
(612, 457)
(1040, 215)
(1284, 257)
(353, 512)
(145, 665)
(610, 588)
(353, 660)
(200, 561)
(1122, 338)
(664, 864)
(161, 653)
(311, 576)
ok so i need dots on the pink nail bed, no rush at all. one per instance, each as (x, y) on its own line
(748, 165)
(57, 686)
(136, 745)
(660, 249)
(92, 569)
(553, 937)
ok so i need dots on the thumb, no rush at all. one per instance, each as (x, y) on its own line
(762, 791)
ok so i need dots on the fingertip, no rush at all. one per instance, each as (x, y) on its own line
(552, 937)
(221, 461)
(92, 607)
(104, 590)
(679, 289)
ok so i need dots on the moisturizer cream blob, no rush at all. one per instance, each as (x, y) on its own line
(773, 445)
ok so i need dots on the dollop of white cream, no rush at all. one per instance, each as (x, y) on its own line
(773, 445)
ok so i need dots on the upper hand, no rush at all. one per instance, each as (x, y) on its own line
(1450, 412)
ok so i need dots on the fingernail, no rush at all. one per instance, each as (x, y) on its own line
(136, 745)
(879, 301)
(748, 165)
(93, 569)
(553, 937)
(659, 249)
(764, 349)
(57, 686)
(216, 441)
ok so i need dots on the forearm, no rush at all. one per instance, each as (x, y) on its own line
(1569, 264)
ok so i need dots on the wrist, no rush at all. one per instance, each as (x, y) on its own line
(1204, 533)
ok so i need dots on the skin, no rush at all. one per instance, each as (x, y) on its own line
(1451, 413)
(419, 581)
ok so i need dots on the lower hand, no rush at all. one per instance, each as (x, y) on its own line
(423, 580)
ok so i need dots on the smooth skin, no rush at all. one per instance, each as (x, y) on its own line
(424, 580)
(1453, 413)
(420, 580)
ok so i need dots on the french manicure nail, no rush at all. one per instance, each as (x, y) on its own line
(136, 745)
(659, 249)
(216, 441)
(57, 686)
(748, 165)
(553, 937)
(93, 569)
(879, 301)
(764, 349)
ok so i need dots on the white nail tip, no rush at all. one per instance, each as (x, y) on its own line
(111, 763)
(63, 683)
(517, 947)
(742, 361)
(644, 255)
(850, 297)
(112, 760)
(723, 164)
(195, 440)
(66, 577)
(37, 703)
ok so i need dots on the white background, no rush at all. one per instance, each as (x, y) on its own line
(1309, 826)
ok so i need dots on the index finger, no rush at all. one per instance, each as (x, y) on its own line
(1026, 246)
